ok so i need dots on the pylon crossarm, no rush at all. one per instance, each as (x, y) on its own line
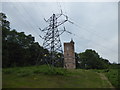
(49, 19)
(62, 31)
(52, 37)
(41, 37)
(65, 16)
(60, 23)
(46, 29)
(58, 15)
(68, 32)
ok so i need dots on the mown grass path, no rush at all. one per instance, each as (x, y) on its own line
(103, 77)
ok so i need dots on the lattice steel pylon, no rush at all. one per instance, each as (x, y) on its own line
(51, 38)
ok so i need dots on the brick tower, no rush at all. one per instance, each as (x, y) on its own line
(69, 55)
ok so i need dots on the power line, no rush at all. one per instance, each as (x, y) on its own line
(30, 23)
(86, 45)
(98, 44)
(27, 23)
(38, 35)
(86, 29)
(73, 23)
(89, 30)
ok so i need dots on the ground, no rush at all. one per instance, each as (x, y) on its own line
(39, 77)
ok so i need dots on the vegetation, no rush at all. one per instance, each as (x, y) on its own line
(19, 49)
(22, 50)
(43, 77)
(24, 61)
(112, 75)
(44, 69)
(91, 60)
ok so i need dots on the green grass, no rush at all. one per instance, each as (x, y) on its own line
(112, 75)
(45, 77)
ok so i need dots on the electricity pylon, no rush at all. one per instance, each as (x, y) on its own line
(51, 38)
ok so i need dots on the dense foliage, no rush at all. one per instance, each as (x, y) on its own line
(91, 60)
(19, 49)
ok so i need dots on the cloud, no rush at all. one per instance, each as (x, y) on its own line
(96, 27)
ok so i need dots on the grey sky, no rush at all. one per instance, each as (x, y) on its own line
(96, 23)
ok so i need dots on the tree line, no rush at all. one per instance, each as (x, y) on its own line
(19, 49)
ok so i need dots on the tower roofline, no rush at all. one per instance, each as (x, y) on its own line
(72, 41)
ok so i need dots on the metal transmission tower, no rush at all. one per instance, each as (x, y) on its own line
(52, 38)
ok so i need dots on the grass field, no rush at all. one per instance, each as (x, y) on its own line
(44, 77)
(112, 75)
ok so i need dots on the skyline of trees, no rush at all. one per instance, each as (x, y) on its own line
(19, 49)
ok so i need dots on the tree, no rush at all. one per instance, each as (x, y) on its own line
(91, 60)
(19, 49)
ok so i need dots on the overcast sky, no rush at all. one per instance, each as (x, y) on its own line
(95, 23)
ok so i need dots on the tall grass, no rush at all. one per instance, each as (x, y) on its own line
(44, 76)
(44, 69)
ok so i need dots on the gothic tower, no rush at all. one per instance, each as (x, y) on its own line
(69, 55)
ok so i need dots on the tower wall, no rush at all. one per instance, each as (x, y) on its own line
(69, 55)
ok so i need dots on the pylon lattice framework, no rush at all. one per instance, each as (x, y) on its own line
(52, 40)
